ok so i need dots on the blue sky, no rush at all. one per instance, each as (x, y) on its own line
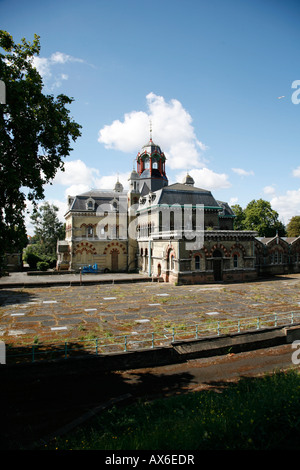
(214, 76)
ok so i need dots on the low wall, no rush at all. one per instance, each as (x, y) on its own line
(177, 352)
(186, 278)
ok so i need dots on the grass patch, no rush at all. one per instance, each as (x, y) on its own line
(255, 413)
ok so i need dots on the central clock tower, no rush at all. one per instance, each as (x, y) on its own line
(151, 168)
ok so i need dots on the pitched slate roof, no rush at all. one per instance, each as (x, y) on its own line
(101, 198)
(181, 194)
(227, 211)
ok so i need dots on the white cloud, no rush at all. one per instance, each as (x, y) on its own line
(79, 178)
(62, 58)
(172, 131)
(242, 172)
(287, 205)
(207, 179)
(269, 190)
(45, 66)
(76, 189)
(126, 136)
(77, 172)
(233, 200)
(109, 181)
(296, 172)
(42, 65)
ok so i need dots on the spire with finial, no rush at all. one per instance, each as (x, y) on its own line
(150, 130)
(118, 186)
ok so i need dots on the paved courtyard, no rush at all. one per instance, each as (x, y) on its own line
(75, 313)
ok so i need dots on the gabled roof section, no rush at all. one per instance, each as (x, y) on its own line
(291, 240)
(101, 198)
(226, 210)
(268, 241)
(179, 193)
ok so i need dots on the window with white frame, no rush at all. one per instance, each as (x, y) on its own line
(90, 231)
(90, 204)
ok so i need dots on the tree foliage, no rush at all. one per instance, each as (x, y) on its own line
(293, 227)
(41, 252)
(47, 228)
(239, 217)
(260, 217)
(36, 132)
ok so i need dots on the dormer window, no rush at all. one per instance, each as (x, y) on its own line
(90, 204)
(114, 204)
(70, 201)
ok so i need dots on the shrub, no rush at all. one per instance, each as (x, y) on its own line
(42, 265)
(32, 259)
(51, 260)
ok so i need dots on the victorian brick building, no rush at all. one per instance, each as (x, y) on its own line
(178, 232)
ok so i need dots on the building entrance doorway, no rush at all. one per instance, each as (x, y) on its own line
(114, 261)
(217, 265)
(170, 264)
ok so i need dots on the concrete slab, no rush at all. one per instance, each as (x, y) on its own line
(126, 303)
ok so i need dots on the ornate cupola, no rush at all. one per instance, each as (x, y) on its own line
(118, 186)
(188, 180)
(151, 166)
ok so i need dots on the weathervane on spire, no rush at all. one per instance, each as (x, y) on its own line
(150, 129)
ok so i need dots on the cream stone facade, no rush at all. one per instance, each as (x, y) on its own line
(178, 233)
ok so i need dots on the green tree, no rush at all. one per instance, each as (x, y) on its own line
(41, 252)
(239, 217)
(260, 217)
(293, 227)
(36, 132)
(47, 228)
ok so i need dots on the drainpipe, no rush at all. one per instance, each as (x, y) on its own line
(149, 259)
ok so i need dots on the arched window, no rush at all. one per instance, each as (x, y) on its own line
(235, 261)
(171, 220)
(90, 204)
(90, 231)
(158, 270)
(160, 221)
(172, 262)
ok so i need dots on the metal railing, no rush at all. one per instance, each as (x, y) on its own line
(148, 340)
